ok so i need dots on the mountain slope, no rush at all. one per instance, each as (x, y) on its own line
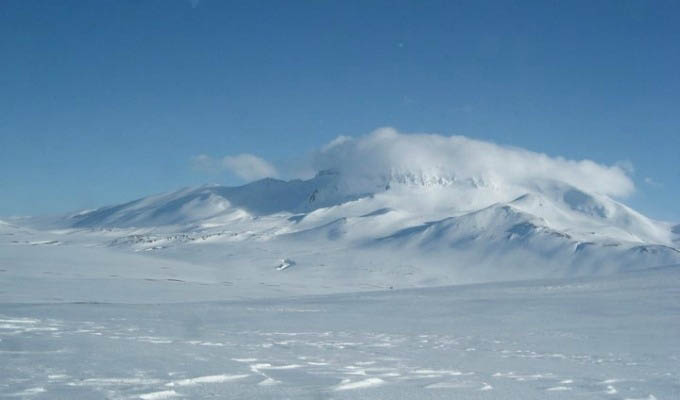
(193, 205)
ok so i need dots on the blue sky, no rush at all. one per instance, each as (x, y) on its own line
(106, 101)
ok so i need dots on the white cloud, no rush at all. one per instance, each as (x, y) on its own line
(245, 166)
(387, 153)
(336, 142)
(249, 167)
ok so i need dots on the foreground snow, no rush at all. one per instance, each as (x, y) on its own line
(593, 338)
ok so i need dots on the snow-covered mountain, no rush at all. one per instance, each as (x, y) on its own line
(389, 209)
(214, 203)
(436, 229)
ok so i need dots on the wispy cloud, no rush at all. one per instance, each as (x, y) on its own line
(248, 167)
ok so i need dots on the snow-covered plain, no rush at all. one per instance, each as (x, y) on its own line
(376, 284)
(593, 338)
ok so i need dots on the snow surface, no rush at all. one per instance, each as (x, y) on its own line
(611, 337)
(559, 293)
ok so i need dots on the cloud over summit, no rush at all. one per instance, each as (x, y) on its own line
(387, 153)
